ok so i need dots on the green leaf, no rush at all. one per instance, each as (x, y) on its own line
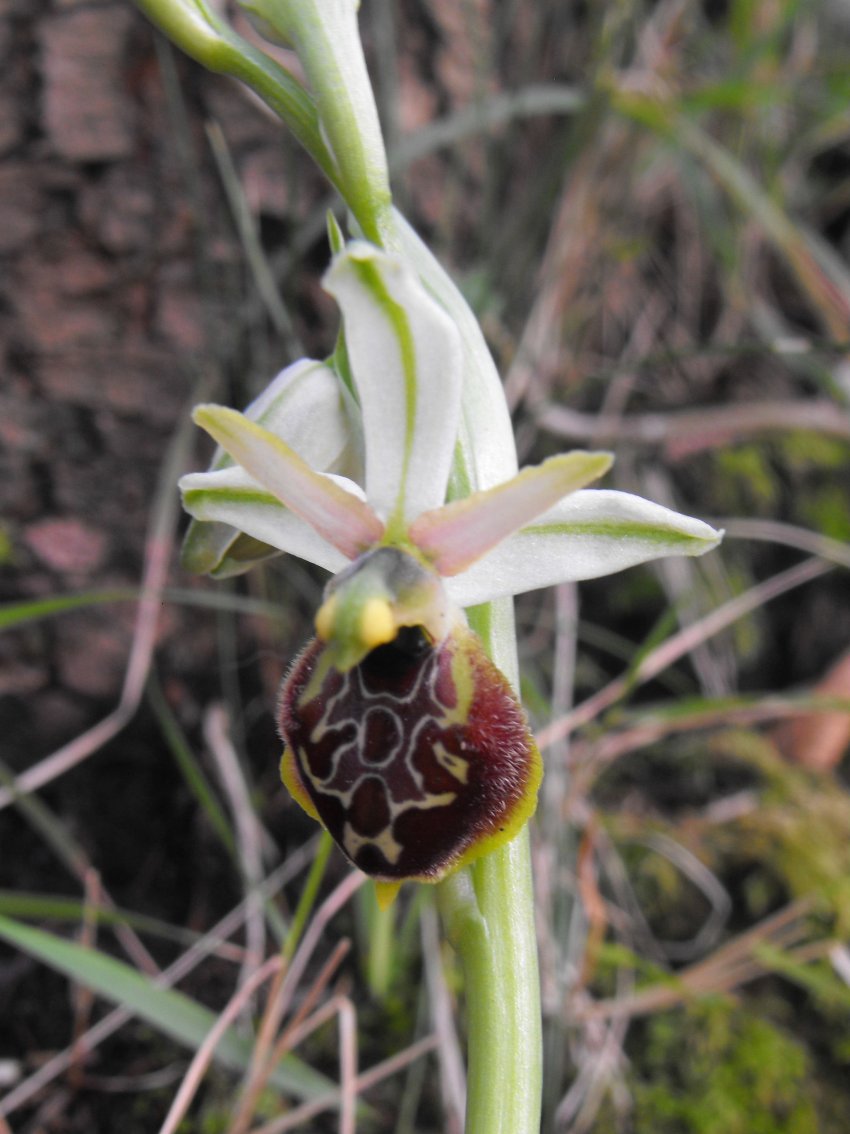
(14, 613)
(198, 30)
(171, 1012)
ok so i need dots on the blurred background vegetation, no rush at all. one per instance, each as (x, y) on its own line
(647, 205)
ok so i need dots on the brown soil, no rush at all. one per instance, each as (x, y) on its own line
(121, 288)
(107, 320)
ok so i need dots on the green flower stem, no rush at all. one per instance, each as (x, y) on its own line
(199, 32)
(331, 53)
(382, 929)
(326, 39)
(488, 912)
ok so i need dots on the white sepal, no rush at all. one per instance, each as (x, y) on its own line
(404, 353)
(455, 535)
(339, 516)
(230, 496)
(306, 406)
(593, 532)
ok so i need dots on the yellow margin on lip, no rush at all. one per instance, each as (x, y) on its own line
(293, 783)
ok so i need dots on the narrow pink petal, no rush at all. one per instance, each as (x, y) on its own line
(346, 522)
(457, 534)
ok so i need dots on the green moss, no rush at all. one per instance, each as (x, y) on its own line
(773, 1061)
(745, 481)
(755, 479)
(794, 803)
(766, 850)
(810, 451)
(827, 510)
(716, 1070)
(7, 547)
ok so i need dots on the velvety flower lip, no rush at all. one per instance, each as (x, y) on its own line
(541, 527)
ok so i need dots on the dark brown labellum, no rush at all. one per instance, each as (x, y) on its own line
(416, 760)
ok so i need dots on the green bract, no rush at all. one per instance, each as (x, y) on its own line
(326, 39)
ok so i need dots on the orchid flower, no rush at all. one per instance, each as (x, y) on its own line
(402, 737)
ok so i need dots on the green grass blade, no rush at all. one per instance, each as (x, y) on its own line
(16, 613)
(59, 908)
(171, 1012)
(12, 614)
(189, 767)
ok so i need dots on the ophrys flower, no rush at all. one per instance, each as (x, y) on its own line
(401, 736)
